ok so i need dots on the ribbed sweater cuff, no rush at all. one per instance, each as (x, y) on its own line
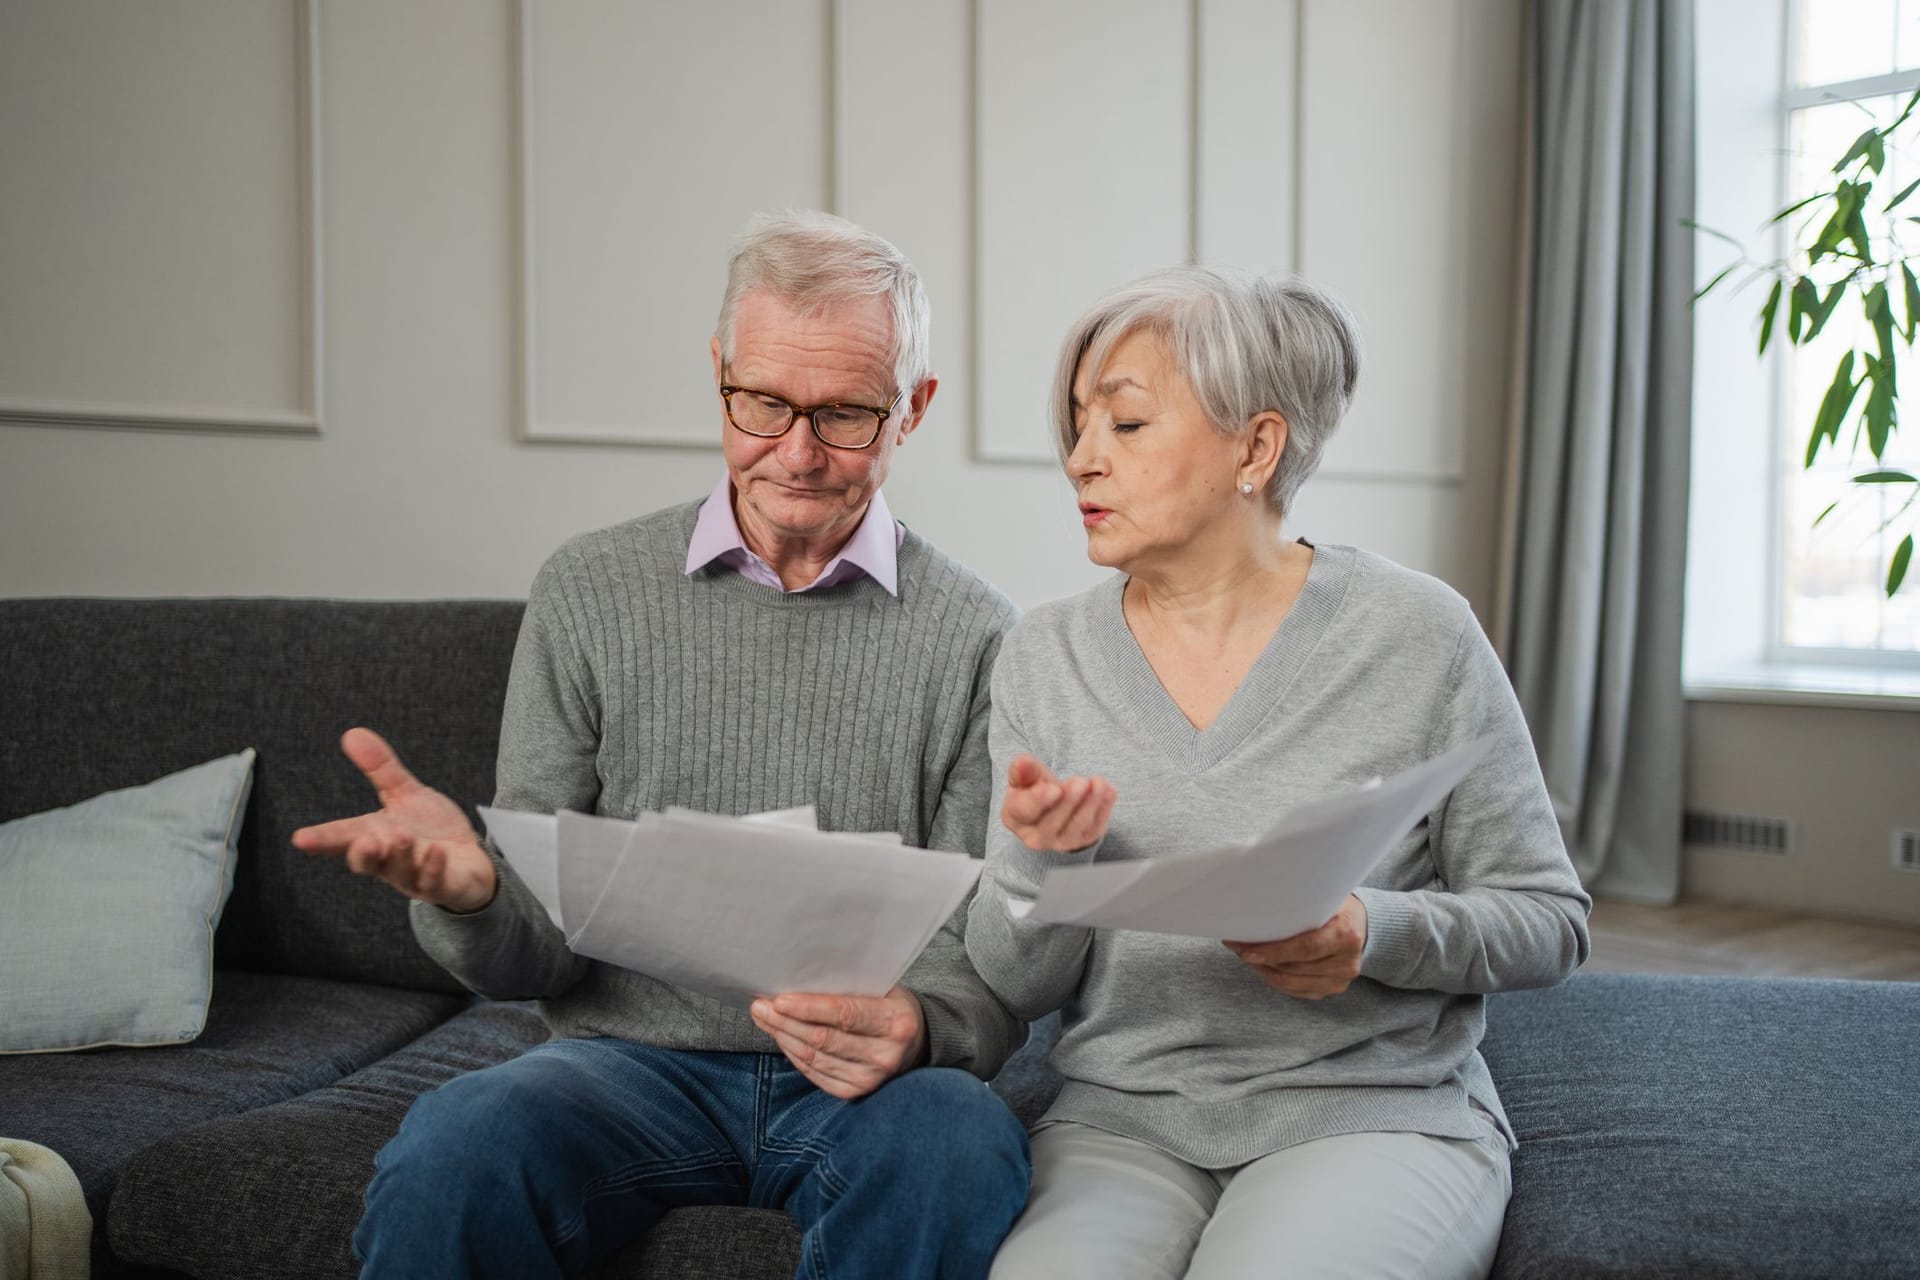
(1396, 937)
(464, 932)
(1031, 867)
(949, 1040)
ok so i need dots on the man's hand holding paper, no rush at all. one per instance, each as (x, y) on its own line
(847, 1045)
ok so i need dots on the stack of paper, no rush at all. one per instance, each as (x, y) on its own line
(736, 907)
(1290, 880)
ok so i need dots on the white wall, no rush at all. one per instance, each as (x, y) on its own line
(172, 276)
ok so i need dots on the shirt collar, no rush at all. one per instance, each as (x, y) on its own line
(874, 548)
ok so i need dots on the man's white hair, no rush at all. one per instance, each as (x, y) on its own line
(811, 260)
(1244, 344)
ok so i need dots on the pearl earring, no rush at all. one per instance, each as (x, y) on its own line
(1246, 486)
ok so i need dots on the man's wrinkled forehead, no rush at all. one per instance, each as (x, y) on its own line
(844, 344)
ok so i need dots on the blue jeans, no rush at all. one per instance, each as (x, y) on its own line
(549, 1163)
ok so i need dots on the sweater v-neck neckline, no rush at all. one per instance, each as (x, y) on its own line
(1159, 717)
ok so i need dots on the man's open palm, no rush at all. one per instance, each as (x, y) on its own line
(418, 841)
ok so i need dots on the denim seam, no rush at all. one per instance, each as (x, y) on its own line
(832, 1189)
(762, 1104)
(830, 1179)
(812, 1146)
(818, 1252)
(632, 1173)
(623, 1179)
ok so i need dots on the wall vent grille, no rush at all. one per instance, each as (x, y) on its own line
(1741, 831)
(1906, 849)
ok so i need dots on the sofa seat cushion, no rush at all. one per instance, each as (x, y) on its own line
(275, 1193)
(268, 1038)
(1702, 1127)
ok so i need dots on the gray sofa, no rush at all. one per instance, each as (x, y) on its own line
(1669, 1126)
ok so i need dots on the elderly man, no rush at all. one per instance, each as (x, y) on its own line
(783, 642)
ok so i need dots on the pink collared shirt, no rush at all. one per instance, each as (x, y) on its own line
(874, 548)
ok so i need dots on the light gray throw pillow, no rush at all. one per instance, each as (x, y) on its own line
(107, 911)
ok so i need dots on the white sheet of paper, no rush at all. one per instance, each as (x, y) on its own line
(800, 819)
(592, 849)
(801, 816)
(1290, 880)
(530, 842)
(736, 910)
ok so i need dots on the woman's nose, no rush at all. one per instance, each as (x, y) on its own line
(1087, 457)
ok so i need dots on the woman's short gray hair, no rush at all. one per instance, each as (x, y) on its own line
(811, 260)
(1245, 344)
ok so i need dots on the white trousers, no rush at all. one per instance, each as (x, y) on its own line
(1106, 1207)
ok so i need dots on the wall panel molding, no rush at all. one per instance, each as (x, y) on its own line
(304, 418)
(1175, 141)
(681, 417)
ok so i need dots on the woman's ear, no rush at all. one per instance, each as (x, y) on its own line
(1261, 446)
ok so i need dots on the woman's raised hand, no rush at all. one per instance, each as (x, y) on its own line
(1055, 815)
(418, 841)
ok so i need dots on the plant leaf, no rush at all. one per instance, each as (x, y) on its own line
(1707, 288)
(1801, 304)
(1879, 306)
(1766, 315)
(1901, 198)
(1876, 151)
(1879, 416)
(1885, 477)
(1787, 212)
(1833, 407)
(1905, 111)
(1844, 199)
(1913, 301)
(1897, 571)
(1823, 515)
(1825, 310)
(1858, 149)
(1721, 235)
(1857, 230)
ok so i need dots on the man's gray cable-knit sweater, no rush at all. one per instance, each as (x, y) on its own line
(1175, 1041)
(636, 686)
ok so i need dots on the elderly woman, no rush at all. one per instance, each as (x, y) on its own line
(1313, 1105)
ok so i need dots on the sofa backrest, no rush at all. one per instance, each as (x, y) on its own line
(101, 694)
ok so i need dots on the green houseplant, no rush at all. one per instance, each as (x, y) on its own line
(1847, 244)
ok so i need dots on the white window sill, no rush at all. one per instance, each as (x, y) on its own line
(1810, 685)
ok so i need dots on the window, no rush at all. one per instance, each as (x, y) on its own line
(1777, 608)
(1845, 76)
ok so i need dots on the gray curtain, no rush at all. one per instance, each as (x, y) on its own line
(1598, 515)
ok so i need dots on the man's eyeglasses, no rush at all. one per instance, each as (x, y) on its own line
(843, 426)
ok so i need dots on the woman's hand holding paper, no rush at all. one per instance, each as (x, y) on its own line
(1316, 964)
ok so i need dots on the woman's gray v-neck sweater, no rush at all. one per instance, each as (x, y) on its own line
(1175, 1041)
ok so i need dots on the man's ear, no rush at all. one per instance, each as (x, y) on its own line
(717, 377)
(916, 407)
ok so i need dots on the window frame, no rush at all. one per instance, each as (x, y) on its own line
(1794, 98)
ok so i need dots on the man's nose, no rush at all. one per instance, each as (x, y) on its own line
(799, 449)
